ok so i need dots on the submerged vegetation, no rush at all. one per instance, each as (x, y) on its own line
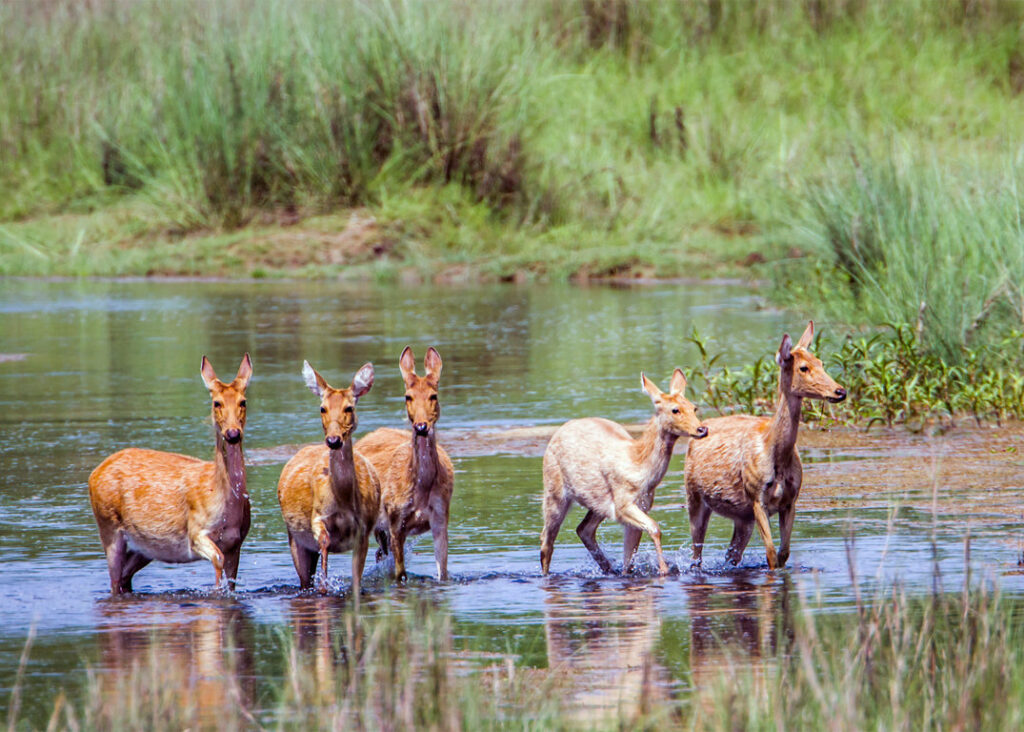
(895, 660)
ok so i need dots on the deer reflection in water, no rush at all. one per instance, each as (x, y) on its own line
(742, 623)
(602, 639)
(191, 663)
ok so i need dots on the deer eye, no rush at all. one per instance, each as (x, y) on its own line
(805, 369)
(433, 397)
(323, 410)
(348, 410)
(408, 398)
(675, 410)
(218, 405)
(242, 404)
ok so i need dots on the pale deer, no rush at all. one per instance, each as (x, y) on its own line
(416, 474)
(329, 494)
(594, 462)
(749, 469)
(175, 508)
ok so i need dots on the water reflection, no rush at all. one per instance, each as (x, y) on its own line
(200, 653)
(601, 638)
(745, 620)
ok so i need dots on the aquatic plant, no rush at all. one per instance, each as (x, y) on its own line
(890, 377)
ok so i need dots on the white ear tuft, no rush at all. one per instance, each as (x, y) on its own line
(310, 376)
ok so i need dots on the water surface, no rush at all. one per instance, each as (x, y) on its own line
(106, 365)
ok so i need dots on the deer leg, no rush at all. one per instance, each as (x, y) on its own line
(765, 529)
(439, 530)
(115, 551)
(556, 506)
(304, 561)
(204, 546)
(786, 515)
(382, 543)
(133, 562)
(632, 515)
(741, 533)
(231, 566)
(358, 562)
(700, 514)
(586, 531)
(397, 544)
(633, 534)
(323, 541)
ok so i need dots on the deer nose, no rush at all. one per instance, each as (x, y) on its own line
(840, 393)
(333, 441)
(421, 428)
(233, 435)
(702, 431)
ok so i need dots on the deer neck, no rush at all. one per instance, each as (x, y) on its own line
(229, 474)
(786, 420)
(653, 450)
(424, 462)
(342, 470)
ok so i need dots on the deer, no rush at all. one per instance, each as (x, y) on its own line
(749, 469)
(596, 463)
(416, 474)
(176, 508)
(330, 494)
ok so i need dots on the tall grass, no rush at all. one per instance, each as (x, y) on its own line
(912, 241)
(219, 109)
(591, 134)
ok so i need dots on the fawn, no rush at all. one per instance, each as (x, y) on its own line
(595, 463)
(416, 475)
(330, 495)
(749, 469)
(175, 508)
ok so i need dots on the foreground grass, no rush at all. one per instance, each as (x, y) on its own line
(939, 661)
(552, 139)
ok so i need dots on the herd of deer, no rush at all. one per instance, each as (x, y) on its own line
(174, 508)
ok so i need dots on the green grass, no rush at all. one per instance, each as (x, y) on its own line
(891, 378)
(552, 139)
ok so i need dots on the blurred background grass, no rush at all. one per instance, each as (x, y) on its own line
(858, 153)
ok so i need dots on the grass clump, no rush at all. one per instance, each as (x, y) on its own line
(900, 241)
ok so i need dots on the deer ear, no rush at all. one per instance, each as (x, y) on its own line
(407, 365)
(785, 350)
(432, 362)
(314, 381)
(678, 383)
(208, 374)
(650, 387)
(362, 381)
(807, 337)
(244, 372)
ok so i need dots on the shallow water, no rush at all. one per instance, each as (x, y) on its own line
(105, 365)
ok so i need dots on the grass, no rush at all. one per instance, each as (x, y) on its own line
(894, 660)
(890, 378)
(593, 137)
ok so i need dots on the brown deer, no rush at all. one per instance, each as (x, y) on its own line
(749, 469)
(330, 495)
(416, 475)
(175, 508)
(595, 463)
